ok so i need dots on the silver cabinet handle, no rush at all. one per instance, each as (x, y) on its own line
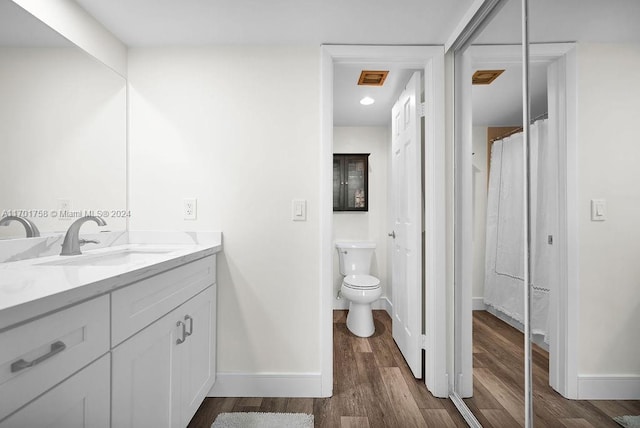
(184, 332)
(188, 318)
(56, 348)
(392, 234)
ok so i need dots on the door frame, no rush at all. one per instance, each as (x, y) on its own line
(431, 60)
(564, 305)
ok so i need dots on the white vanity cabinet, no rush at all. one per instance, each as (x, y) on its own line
(161, 374)
(141, 354)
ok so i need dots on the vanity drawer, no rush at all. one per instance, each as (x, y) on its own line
(38, 355)
(137, 305)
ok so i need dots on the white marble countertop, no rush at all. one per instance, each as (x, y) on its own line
(34, 287)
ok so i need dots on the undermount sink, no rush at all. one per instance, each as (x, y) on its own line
(109, 259)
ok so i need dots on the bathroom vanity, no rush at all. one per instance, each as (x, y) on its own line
(120, 336)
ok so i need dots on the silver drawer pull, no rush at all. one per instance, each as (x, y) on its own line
(184, 332)
(188, 318)
(56, 348)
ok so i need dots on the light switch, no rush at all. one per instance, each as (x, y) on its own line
(299, 210)
(598, 210)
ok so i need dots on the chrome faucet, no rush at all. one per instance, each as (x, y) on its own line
(72, 241)
(30, 227)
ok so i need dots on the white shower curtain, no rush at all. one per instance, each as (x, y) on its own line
(504, 262)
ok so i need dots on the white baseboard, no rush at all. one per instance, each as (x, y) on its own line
(381, 303)
(340, 304)
(267, 385)
(608, 387)
(478, 304)
(384, 303)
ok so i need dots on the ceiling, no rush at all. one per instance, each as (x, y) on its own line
(610, 21)
(347, 110)
(141, 23)
(500, 103)
(307, 22)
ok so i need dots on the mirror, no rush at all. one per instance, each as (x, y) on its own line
(498, 239)
(489, 151)
(584, 240)
(593, 321)
(62, 129)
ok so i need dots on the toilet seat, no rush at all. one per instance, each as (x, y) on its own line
(361, 282)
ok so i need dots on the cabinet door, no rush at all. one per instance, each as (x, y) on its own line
(356, 183)
(198, 352)
(351, 182)
(338, 183)
(82, 401)
(144, 377)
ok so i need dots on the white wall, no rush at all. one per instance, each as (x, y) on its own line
(373, 224)
(238, 129)
(63, 136)
(609, 252)
(480, 177)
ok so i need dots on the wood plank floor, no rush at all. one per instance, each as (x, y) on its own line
(498, 383)
(373, 387)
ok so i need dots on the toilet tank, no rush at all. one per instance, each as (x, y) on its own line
(355, 257)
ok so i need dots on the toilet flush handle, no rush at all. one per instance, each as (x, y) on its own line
(392, 234)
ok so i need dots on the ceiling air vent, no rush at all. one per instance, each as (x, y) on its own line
(485, 77)
(373, 77)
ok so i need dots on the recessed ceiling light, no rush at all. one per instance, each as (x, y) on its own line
(367, 101)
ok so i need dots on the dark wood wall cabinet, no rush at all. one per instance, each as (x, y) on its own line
(351, 182)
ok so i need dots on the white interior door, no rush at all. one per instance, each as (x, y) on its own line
(407, 224)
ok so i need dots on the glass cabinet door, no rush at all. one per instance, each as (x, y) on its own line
(355, 183)
(338, 183)
(350, 182)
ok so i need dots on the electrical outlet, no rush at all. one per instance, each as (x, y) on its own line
(190, 208)
(64, 208)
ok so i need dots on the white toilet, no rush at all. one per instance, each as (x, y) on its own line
(360, 288)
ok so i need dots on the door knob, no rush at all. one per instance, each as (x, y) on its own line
(392, 234)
